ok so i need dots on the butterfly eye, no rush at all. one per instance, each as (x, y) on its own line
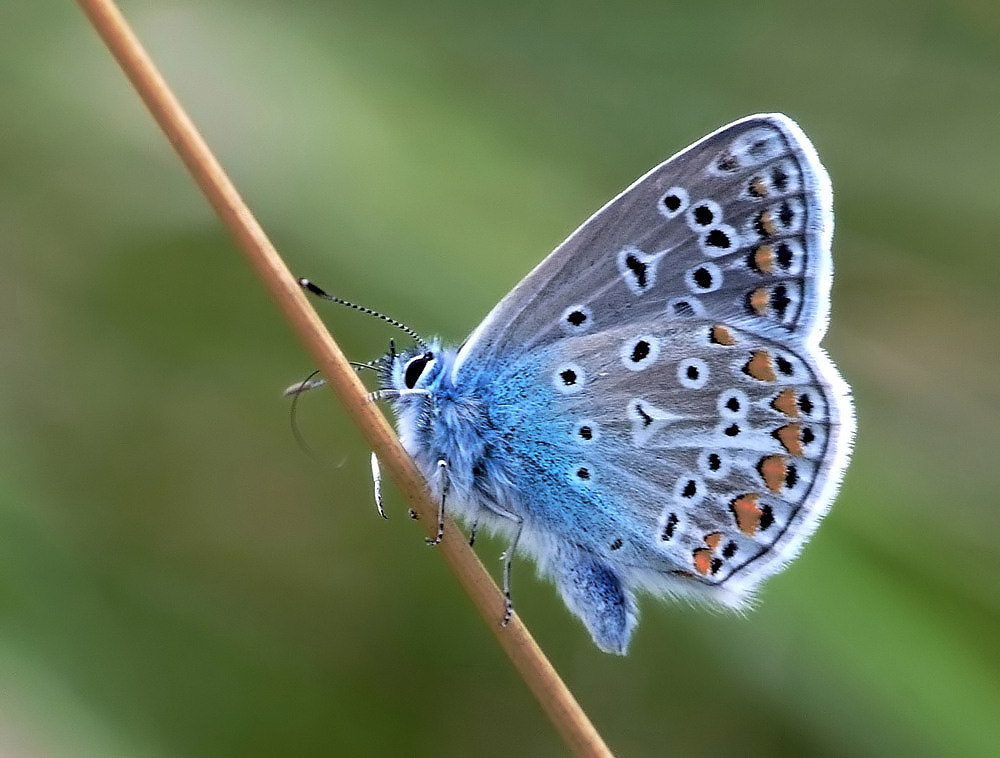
(415, 369)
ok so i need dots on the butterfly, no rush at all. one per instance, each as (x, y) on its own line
(649, 409)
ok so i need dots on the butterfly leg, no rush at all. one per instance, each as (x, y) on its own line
(445, 482)
(508, 558)
(377, 485)
(472, 532)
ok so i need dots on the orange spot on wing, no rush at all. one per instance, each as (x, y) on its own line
(763, 259)
(702, 560)
(785, 403)
(758, 188)
(758, 300)
(746, 513)
(713, 539)
(788, 436)
(773, 470)
(721, 336)
(767, 224)
(760, 366)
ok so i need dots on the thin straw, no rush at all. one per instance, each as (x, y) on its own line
(536, 670)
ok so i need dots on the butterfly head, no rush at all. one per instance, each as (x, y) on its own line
(419, 368)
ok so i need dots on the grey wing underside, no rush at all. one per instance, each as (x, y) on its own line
(737, 227)
(725, 447)
(716, 260)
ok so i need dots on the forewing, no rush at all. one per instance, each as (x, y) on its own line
(735, 228)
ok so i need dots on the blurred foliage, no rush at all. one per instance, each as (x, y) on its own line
(177, 578)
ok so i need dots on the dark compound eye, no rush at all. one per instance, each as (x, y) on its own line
(415, 369)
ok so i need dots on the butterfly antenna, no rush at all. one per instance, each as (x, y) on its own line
(295, 390)
(299, 388)
(318, 292)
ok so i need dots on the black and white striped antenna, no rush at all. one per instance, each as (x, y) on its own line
(321, 293)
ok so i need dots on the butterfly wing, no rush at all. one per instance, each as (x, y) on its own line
(672, 346)
(698, 457)
(737, 226)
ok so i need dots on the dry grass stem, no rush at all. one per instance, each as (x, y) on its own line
(537, 672)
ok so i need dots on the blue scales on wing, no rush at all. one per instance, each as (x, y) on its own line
(672, 423)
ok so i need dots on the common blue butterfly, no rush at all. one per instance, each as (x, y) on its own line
(649, 409)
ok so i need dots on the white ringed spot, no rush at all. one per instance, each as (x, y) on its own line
(569, 378)
(689, 490)
(703, 215)
(715, 464)
(684, 307)
(673, 202)
(586, 431)
(576, 319)
(719, 240)
(692, 373)
(581, 474)
(705, 277)
(639, 353)
(733, 403)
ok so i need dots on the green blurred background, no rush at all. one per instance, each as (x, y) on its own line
(178, 578)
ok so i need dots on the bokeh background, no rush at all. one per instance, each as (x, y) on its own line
(178, 578)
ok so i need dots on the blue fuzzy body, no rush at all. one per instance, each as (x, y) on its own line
(501, 440)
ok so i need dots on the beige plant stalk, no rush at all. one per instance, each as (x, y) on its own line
(536, 670)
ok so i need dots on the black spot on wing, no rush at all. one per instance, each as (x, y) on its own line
(638, 268)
